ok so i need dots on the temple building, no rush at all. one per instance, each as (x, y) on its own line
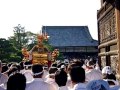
(109, 34)
(72, 41)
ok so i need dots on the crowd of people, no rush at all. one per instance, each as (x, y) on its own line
(74, 75)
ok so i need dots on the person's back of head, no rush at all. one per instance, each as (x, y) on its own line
(37, 70)
(74, 64)
(61, 78)
(90, 64)
(12, 70)
(21, 65)
(60, 64)
(4, 68)
(16, 82)
(77, 74)
(54, 65)
(52, 70)
(78, 63)
(9, 65)
(28, 65)
(112, 76)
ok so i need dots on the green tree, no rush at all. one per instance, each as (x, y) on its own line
(32, 39)
(6, 49)
(22, 38)
(19, 39)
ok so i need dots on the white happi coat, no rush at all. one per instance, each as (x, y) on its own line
(63, 88)
(3, 78)
(79, 86)
(93, 74)
(38, 84)
(2, 88)
(52, 82)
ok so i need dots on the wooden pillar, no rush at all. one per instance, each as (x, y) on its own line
(117, 13)
(107, 60)
(107, 56)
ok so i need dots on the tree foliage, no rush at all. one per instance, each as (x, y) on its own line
(6, 49)
(10, 50)
(22, 38)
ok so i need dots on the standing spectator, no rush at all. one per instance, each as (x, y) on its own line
(16, 81)
(110, 78)
(76, 63)
(38, 83)
(2, 88)
(46, 73)
(3, 77)
(77, 75)
(61, 79)
(51, 77)
(28, 72)
(4, 68)
(22, 70)
(92, 73)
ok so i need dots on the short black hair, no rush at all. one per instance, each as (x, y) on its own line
(54, 65)
(12, 71)
(16, 82)
(90, 63)
(4, 68)
(21, 65)
(61, 77)
(109, 76)
(36, 68)
(26, 65)
(78, 63)
(77, 74)
(52, 70)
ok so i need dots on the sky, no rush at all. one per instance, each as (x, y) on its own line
(33, 14)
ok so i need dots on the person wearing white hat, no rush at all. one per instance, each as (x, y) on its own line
(38, 83)
(51, 77)
(110, 77)
(107, 70)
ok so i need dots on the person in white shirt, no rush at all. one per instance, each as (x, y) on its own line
(46, 73)
(61, 79)
(3, 77)
(110, 77)
(51, 77)
(92, 73)
(1, 88)
(22, 68)
(77, 75)
(70, 66)
(38, 83)
(16, 81)
(28, 72)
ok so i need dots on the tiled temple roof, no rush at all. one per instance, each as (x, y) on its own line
(61, 36)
